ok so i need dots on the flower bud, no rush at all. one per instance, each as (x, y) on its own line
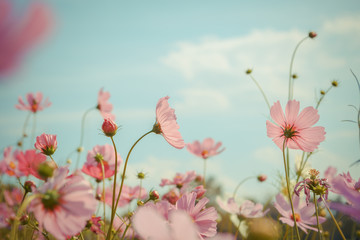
(261, 178)
(248, 71)
(294, 76)
(140, 203)
(200, 191)
(29, 186)
(109, 127)
(154, 195)
(141, 175)
(335, 83)
(322, 92)
(312, 34)
(80, 149)
(24, 219)
(46, 169)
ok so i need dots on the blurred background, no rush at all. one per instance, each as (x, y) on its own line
(197, 53)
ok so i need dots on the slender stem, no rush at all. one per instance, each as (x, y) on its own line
(82, 237)
(204, 180)
(237, 230)
(333, 218)
(261, 90)
(127, 227)
(113, 209)
(240, 183)
(103, 188)
(317, 217)
(289, 194)
(33, 131)
(140, 190)
(122, 183)
(82, 136)
(23, 198)
(291, 67)
(24, 129)
(322, 97)
(53, 161)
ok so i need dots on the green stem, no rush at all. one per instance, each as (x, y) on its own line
(33, 132)
(240, 183)
(291, 66)
(103, 188)
(261, 90)
(322, 97)
(289, 194)
(24, 129)
(122, 183)
(333, 218)
(317, 217)
(113, 209)
(204, 181)
(53, 161)
(82, 136)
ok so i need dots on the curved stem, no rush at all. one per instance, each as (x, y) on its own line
(82, 136)
(237, 230)
(113, 209)
(291, 66)
(103, 188)
(24, 129)
(289, 194)
(322, 97)
(240, 183)
(53, 161)
(261, 90)
(122, 183)
(333, 218)
(204, 180)
(317, 217)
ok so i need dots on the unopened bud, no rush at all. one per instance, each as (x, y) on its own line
(29, 186)
(46, 169)
(140, 203)
(68, 161)
(154, 195)
(322, 92)
(262, 178)
(335, 83)
(109, 127)
(141, 175)
(312, 34)
(19, 143)
(98, 196)
(294, 76)
(24, 219)
(80, 149)
(248, 71)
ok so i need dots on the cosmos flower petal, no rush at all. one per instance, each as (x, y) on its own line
(277, 114)
(291, 111)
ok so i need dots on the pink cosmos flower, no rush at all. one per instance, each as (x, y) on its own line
(9, 164)
(94, 225)
(247, 209)
(156, 221)
(166, 124)
(206, 149)
(34, 103)
(109, 127)
(13, 197)
(104, 106)
(127, 194)
(293, 128)
(6, 214)
(172, 196)
(204, 218)
(304, 214)
(18, 33)
(104, 153)
(29, 162)
(46, 143)
(64, 205)
(179, 180)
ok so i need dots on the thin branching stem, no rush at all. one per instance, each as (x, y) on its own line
(261, 90)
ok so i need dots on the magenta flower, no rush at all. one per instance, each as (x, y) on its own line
(106, 155)
(166, 124)
(109, 128)
(293, 128)
(304, 214)
(172, 196)
(206, 149)
(94, 225)
(34, 104)
(46, 143)
(204, 218)
(29, 162)
(104, 106)
(247, 209)
(64, 205)
(161, 222)
(18, 33)
(179, 180)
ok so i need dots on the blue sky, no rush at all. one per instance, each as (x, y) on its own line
(196, 52)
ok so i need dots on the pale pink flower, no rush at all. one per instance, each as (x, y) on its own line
(104, 106)
(6, 214)
(127, 194)
(179, 180)
(199, 190)
(64, 205)
(206, 149)
(166, 124)
(13, 197)
(294, 128)
(9, 164)
(46, 143)
(247, 209)
(29, 162)
(104, 153)
(172, 196)
(304, 214)
(150, 223)
(34, 103)
(19, 33)
(204, 218)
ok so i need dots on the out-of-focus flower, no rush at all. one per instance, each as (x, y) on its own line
(172, 196)
(179, 180)
(121, 224)
(151, 224)
(166, 124)
(127, 194)
(6, 213)
(298, 165)
(13, 197)
(101, 153)
(18, 33)
(206, 149)
(304, 213)
(29, 162)
(154, 195)
(269, 230)
(247, 209)
(34, 104)
(9, 164)
(46, 143)
(109, 127)
(204, 218)
(104, 106)
(199, 190)
(64, 205)
(293, 128)
(94, 225)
